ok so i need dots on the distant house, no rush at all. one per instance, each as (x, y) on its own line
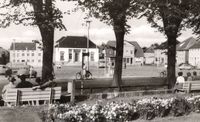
(139, 54)
(132, 53)
(149, 56)
(26, 52)
(194, 55)
(182, 50)
(161, 53)
(69, 51)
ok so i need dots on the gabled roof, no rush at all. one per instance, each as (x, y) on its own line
(196, 46)
(74, 42)
(186, 44)
(164, 45)
(139, 51)
(149, 50)
(23, 46)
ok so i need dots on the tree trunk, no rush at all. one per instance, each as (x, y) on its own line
(117, 77)
(171, 67)
(48, 45)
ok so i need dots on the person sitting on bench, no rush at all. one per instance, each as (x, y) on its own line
(179, 82)
(43, 85)
(24, 83)
(10, 85)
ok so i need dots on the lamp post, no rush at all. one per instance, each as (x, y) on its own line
(88, 36)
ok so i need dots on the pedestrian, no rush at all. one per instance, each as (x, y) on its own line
(84, 68)
(30, 71)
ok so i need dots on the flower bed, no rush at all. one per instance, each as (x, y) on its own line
(147, 108)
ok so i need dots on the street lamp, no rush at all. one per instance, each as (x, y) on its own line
(88, 34)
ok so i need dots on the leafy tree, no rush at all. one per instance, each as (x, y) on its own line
(171, 13)
(40, 13)
(194, 19)
(115, 13)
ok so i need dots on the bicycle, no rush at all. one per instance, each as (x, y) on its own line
(88, 75)
(163, 73)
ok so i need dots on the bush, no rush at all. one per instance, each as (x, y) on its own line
(121, 111)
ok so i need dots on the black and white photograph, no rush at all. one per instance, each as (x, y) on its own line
(99, 60)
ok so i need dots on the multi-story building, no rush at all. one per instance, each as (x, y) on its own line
(26, 52)
(69, 50)
(182, 50)
(194, 57)
(132, 53)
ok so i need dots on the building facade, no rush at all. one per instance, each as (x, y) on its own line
(149, 56)
(26, 52)
(194, 57)
(182, 50)
(69, 51)
(132, 53)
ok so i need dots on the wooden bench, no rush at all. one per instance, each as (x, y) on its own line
(20, 95)
(189, 86)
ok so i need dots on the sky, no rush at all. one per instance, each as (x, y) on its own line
(99, 32)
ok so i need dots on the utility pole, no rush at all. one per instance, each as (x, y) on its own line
(88, 36)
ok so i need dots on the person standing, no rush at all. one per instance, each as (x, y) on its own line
(30, 71)
(84, 70)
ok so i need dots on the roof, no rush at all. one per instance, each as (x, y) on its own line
(23, 46)
(186, 44)
(164, 45)
(139, 51)
(74, 42)
(150, 50)
(196, 46)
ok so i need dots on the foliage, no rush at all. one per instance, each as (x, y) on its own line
(147, 108)
(30, 12)
(170, 12)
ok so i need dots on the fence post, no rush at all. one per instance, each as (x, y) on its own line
(71, 90)
(82, 85)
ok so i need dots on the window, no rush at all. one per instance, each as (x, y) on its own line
(17, 60)
(131, 52)
(76, 57)
(27, 54)
(39, 54)
(13, 54)
(92, 56)
(39, 60)
(13, 60)
(22, 54)
(70, 54)
(32, 54)
(62, 53)
(17, 54)
(28, 60)
(127, 60)
(32, 60)
(84, 50)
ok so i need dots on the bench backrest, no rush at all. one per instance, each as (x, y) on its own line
(27, 94)
(191, 85)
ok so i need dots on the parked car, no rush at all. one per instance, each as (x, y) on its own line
(185, 66)
(3, 69)
(26, 71)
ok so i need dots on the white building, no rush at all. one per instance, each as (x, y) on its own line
(69, 51)
(132, 53)
(161, 54)
(194, 55)
(182, 50)
(149, 56)
(26, 52)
